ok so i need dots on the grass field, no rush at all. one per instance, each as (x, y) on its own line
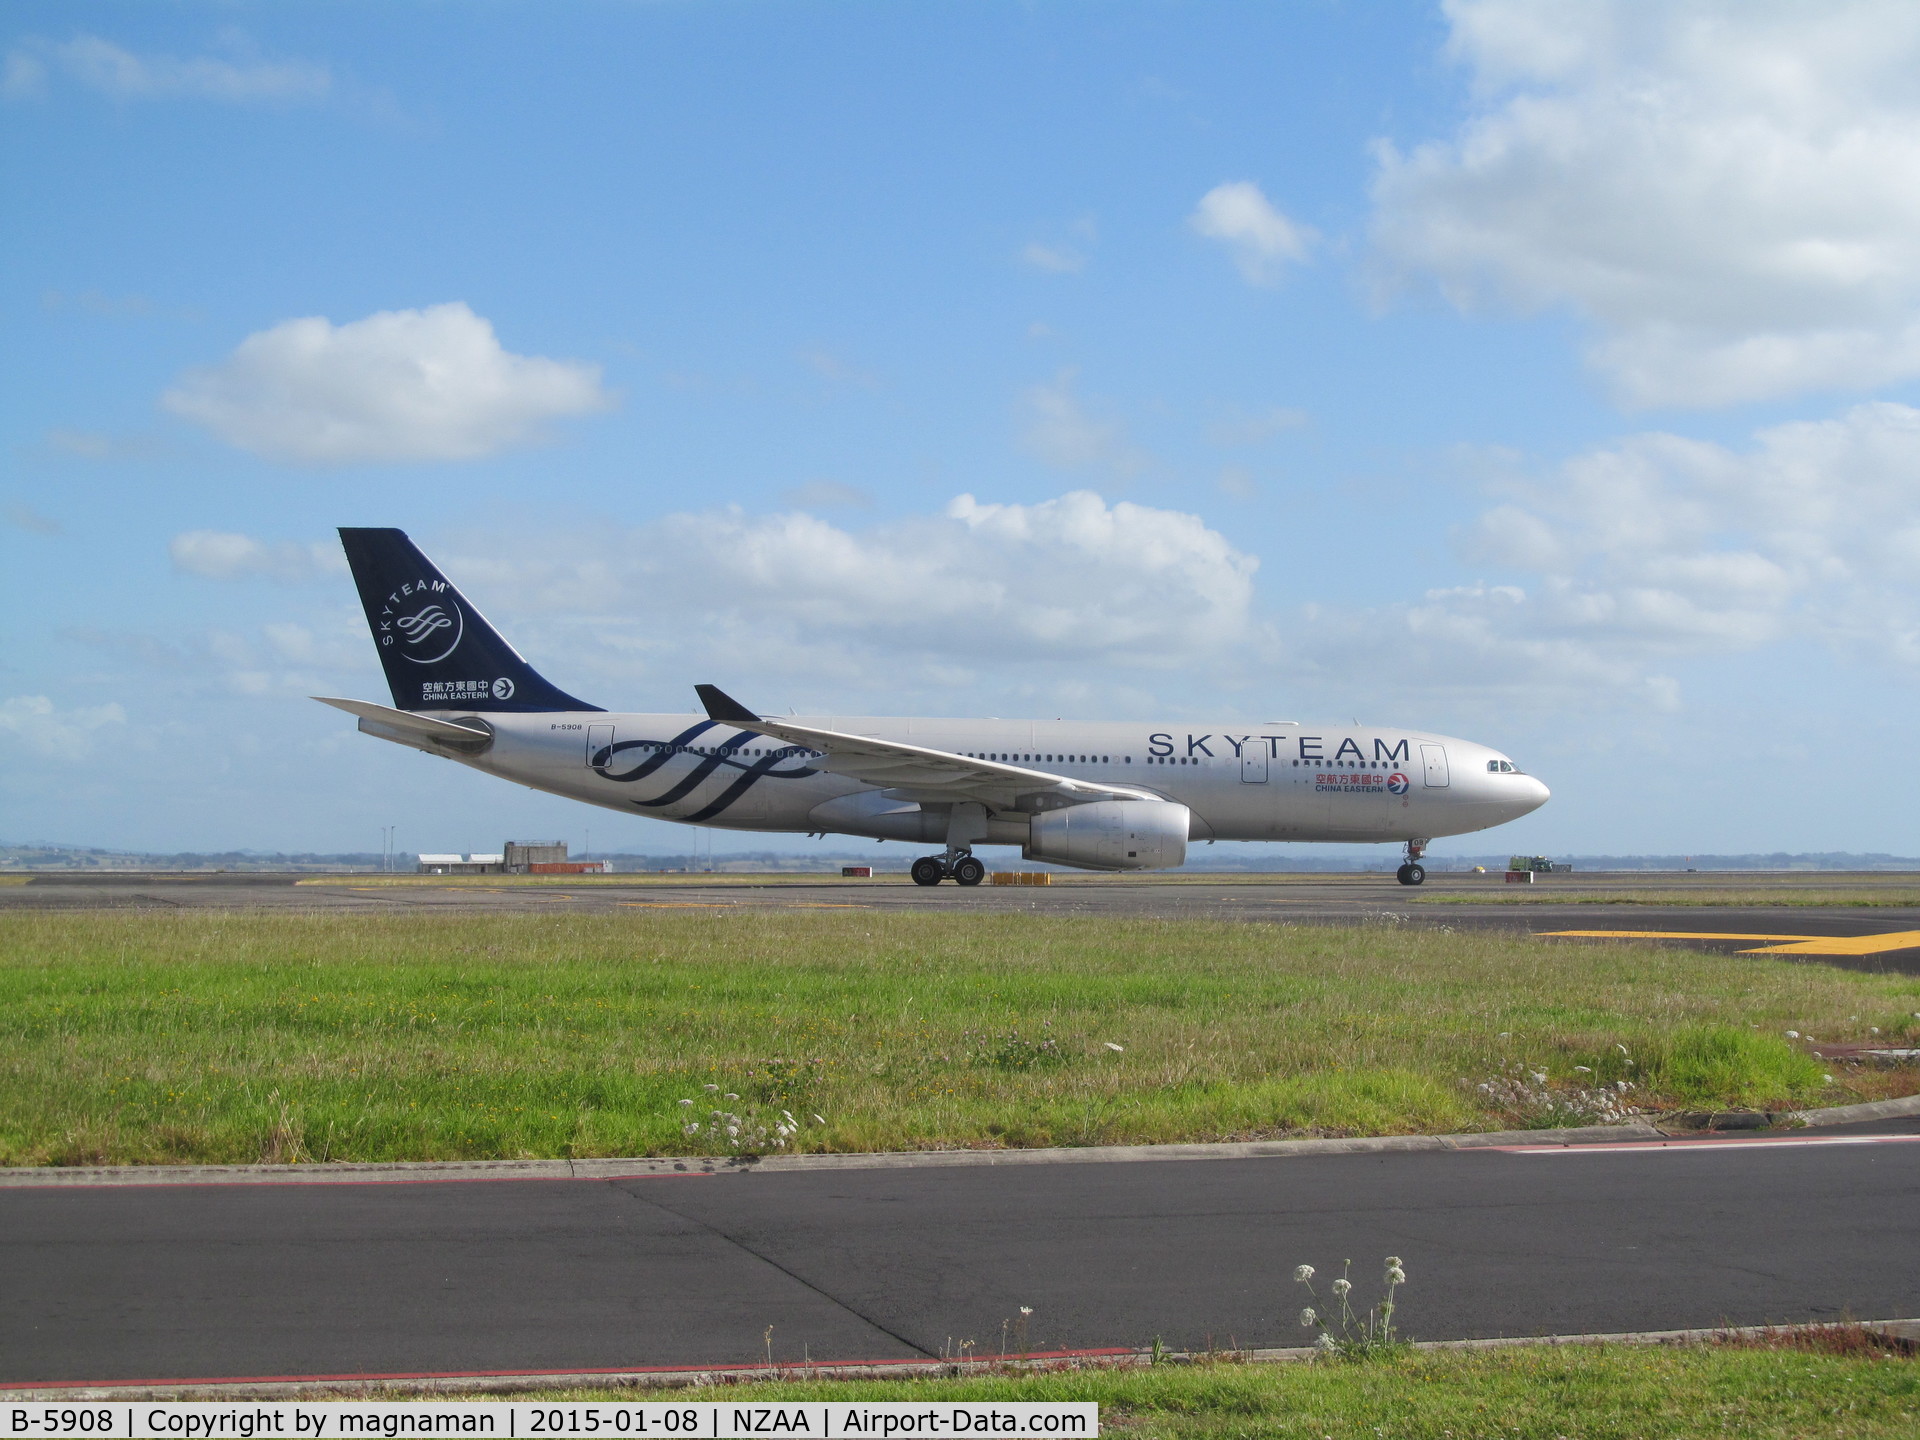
(1528, 1393)
(243, 1036)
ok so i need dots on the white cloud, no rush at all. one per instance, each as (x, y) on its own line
(1262, 240)
(998, 596)
(240, 75)
(27, 518)
(831, 367)
(1636, 556)
(1054, 259)
(23, 77)
(1729, 191)
(221, 555)
(1239, 482)
(430, 384)
(1254, 427)
(34, 723)
(1062, 431)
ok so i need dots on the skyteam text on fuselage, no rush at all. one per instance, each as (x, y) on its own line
(1099, 795)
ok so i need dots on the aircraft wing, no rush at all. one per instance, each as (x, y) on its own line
(912, 771)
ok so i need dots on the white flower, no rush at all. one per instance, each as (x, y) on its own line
(1584, 1069)
(1506, 1034)
(1618, 1046)
(1111, 1046)
(1325, 1342)
(1342, 1285)
(1396, 1276)
(1873, 1029)
(690, 1130)
(1392, 1261)
(686, 1102)
(1303, 1273)
(733, 1129)
(1307, 1317)
(729, 1097)
(1026, 1309)
(1793, 1034)
(711, 1088)
(1539, 1077)
(818, 1120)
(1828, 1079)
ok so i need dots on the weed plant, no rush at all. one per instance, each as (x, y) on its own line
(203, 1036)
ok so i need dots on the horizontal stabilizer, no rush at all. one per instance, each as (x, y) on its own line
(382, 720)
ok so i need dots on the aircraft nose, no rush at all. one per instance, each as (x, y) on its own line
(1535, 795)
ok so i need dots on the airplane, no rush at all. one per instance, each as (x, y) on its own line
(1093, 795)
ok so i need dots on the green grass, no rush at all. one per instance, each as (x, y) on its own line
(1528, 1393)
(1757, 899)
(200, 1036)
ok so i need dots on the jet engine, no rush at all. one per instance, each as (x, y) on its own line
(1112, 835)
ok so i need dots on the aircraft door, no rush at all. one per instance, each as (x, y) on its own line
(1253, 761)
(1435, 759)
(599, 741)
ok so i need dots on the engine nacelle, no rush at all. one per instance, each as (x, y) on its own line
(1112, 835)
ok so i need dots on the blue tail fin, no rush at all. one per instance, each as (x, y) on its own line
(438, 651)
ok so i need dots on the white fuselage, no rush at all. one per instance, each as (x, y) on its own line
(1241, 782)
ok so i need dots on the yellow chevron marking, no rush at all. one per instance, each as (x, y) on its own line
(1783, 944)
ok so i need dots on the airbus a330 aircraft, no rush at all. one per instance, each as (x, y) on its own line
(1099, 795)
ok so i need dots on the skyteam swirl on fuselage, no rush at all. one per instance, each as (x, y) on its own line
(1100, 795)
(721, 757)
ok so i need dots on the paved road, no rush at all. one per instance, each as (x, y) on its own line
(1300, 899)
(183, 1282)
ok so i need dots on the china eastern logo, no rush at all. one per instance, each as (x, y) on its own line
(503, 689)
(1398, 784)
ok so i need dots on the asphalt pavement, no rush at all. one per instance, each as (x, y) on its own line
(184, 1282)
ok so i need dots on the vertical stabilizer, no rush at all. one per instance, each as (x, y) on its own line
(438, 651)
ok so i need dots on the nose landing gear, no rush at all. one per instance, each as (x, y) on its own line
(1413, 872)
(958, 865)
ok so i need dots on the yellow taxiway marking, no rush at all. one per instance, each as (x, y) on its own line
(1783, 944)
(679, 904)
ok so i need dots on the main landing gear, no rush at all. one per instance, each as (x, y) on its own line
(1413, 872)
(958, 865)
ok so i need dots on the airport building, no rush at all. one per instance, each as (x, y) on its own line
(521, 857)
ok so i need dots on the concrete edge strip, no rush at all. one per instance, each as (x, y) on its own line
(429, 1171)
(1852, 1114)
(394, 1387)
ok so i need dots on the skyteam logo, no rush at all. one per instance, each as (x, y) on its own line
(1398, 784)
(432, 632)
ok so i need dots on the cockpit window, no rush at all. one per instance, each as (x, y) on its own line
(1503, 767)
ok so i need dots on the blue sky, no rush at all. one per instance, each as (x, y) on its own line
(1544, 375)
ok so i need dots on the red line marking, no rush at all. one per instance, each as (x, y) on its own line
(1715, 1142)
(571, 1370)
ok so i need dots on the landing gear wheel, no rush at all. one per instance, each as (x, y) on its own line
(968, 871)
(1411, 874)
(927, 870)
